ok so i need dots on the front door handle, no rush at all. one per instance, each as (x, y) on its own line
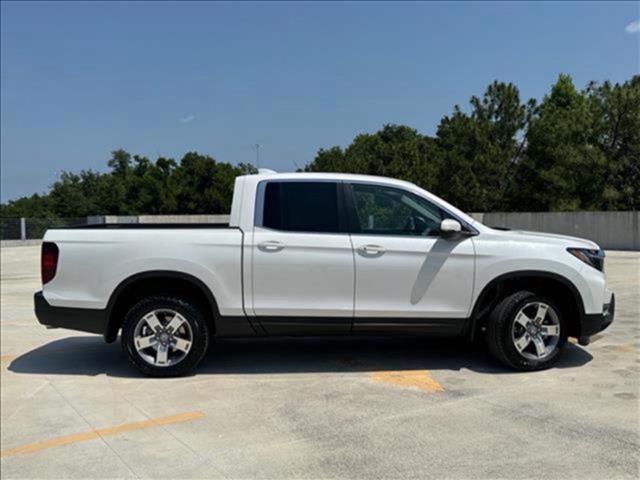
(270, 246)
(371, 250)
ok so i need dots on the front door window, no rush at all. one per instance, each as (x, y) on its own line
(384, 210)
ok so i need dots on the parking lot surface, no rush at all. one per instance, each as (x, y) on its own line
(73, 407)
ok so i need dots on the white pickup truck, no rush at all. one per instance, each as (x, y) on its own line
(314, 254)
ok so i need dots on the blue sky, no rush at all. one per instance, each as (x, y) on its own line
(82, 79)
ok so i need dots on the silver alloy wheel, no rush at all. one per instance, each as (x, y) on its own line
(163, 337)
(536, 330)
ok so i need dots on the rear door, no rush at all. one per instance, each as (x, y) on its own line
(303, 265)
(408, 277)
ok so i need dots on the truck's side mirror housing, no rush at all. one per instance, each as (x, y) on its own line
(450, 228)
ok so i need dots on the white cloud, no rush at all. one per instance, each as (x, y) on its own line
(633, 27)
(188, 119)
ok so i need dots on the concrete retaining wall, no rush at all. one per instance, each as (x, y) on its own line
(158, 219)
(183, 219)
(20, 243)
(610, 230)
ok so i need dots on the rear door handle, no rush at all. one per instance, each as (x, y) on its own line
(371, 250)
(270, 246)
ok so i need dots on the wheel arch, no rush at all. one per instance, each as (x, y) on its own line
(562, 290)
(152, 282)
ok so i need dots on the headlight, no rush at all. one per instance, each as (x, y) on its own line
(593, 258)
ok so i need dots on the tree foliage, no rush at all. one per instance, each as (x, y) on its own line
(576, 150)
(136, 185)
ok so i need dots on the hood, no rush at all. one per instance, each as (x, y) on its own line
(542, 237)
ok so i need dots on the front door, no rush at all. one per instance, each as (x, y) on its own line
(408, 277)
(303, 265)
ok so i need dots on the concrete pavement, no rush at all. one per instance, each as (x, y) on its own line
(72, 406)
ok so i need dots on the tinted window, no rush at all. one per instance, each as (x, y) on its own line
(390, 211)
(301, 206)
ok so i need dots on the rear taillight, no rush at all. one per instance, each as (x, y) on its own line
(48, 261)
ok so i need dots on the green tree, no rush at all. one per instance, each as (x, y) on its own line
(73, 195)
(479, 151)
(615, 114)
(395, 151)
(136, 185)
(561, 169)
(33, 206)
(247, 169)
(204, 185)
(329, 160)
(120, 163)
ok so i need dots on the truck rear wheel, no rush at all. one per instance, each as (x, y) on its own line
(526, 332)
(165, 336)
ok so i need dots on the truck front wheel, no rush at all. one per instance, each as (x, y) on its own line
(526, 332)
(165, 336)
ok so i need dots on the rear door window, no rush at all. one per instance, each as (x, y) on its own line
(301, 206)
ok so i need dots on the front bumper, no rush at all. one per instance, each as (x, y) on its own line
(83, 319)
(594, 323)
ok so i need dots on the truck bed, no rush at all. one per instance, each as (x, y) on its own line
(96, 259)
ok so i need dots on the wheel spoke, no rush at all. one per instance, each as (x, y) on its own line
(175, 323)
(181, 344)
(539, 344)
(551, 330)
(522, 342)
(542, 312)
(162, 355)
(153, 321)
(145, 342)
(163, 337)
(522, 319)
(536, 333)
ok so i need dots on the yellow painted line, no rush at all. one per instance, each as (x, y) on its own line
(626, 348)
(7, 358)
(104, 432)
(420, 379)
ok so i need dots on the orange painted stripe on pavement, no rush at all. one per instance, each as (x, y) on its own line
(408, 378)
(103, 432)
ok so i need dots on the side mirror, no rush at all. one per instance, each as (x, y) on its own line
(450, 228)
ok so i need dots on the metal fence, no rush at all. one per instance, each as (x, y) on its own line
(34, 228)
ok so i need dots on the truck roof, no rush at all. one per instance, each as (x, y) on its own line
(271, 175)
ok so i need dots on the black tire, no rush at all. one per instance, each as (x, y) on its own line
(196, 322)
(499, 332)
